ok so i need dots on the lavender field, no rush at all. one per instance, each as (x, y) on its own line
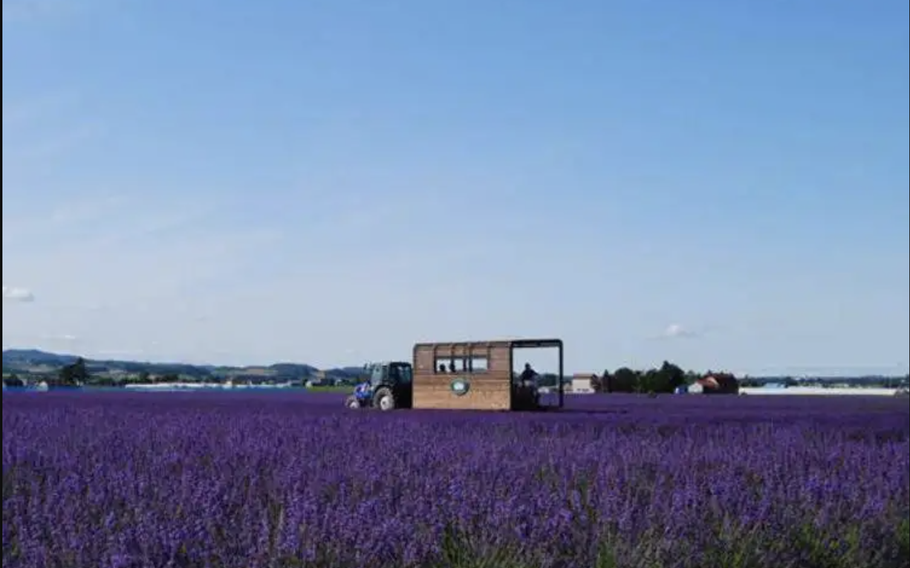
(293, 480)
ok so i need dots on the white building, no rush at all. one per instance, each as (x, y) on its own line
(582, 383)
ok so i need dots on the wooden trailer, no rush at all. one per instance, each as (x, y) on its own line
(476, 375)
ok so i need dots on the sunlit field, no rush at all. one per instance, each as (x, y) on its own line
(282, 479)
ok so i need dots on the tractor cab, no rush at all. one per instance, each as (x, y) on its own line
(385, 386)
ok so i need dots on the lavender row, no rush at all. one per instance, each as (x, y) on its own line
(228, 480)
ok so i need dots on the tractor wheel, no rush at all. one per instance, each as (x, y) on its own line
(384, 399)
(352, 402)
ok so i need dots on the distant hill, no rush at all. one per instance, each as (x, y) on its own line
(14, 358)
(35, 361)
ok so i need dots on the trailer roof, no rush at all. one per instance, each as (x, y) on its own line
(535, 343)
(513, 343)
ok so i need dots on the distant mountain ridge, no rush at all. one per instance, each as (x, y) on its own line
(36, 361)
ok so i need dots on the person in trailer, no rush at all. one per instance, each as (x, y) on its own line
(528, 377)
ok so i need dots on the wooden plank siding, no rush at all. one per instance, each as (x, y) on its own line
(490, 389)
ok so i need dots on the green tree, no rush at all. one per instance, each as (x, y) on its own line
(13, 381)
(80, 372)
(548, 380)
(624, 379)
(74, 374)
(670, 377)
(601, 383)
(649, 381)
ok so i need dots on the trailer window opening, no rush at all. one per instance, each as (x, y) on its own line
(478, 364)
(460, 364)
(447, 365)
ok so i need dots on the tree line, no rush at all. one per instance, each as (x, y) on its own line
(665, 379)
(77, 374)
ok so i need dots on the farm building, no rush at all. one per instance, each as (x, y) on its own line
(708, 384)
(583, 383)
(698, 387)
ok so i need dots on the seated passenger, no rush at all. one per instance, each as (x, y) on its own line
(528, 377)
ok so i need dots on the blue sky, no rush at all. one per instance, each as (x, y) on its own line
(723, 184)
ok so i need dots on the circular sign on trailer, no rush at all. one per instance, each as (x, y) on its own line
(460, 387)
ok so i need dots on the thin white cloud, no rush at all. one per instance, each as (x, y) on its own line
(676, 330)
(16, 294)
(66, 337)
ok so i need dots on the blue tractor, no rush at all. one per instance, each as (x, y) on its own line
(385, 386)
